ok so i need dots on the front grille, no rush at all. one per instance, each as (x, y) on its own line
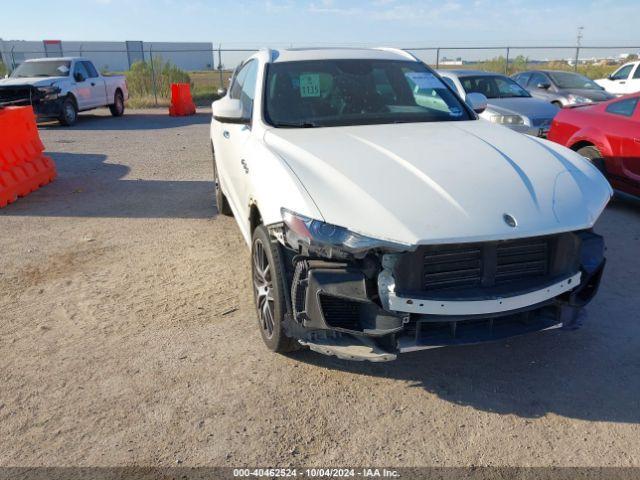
(485, 264)
(18, 95)
(521, 259)
(453, 267)
(340, 313)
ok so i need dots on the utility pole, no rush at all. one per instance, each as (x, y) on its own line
(578, 43)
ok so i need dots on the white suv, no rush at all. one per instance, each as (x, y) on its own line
(383, 217)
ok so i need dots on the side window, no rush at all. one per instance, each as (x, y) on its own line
(238, 80)
(623, 73)
(637, 72)
(522, 78)
(91, 70)
(623, 107)
(536, 79)
(80, 68)
(248, 89)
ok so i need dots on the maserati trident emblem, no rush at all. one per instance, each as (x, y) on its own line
(509, 220)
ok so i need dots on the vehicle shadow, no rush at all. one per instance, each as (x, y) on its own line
(130, 121)
(571, 374)
(88, 187)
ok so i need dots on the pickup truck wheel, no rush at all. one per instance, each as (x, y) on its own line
(594, 156)
(68, 112)
(221, 201)
(267, 274)
(117, 107)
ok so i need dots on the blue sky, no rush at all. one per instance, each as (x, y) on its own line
(278, 22)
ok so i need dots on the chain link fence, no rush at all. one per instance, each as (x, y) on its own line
(150, 71)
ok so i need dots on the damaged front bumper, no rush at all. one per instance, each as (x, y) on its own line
(46, 102)
(389, 303)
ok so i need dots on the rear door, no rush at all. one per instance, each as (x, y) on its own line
(97, 86)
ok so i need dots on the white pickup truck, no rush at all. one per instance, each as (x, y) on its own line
(62, 87)
(384, 217)
(623, 81)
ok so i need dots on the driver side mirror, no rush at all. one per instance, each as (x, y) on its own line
(477, 102)
(221, 92)
(229, 110)
(78, 77)
(543, 85)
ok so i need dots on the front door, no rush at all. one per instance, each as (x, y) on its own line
(238, 139)
(619, 82)
(82, 89)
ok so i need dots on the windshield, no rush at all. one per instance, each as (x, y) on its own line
(493, 86)
(322, 93)
(50, 68)
(573, 80)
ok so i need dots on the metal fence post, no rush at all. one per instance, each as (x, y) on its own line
(13, 59)
(153, 75)
(437, 58)
(506, 63)
(220, 65)
(575, 66)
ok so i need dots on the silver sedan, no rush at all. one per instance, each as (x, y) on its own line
(508, 103)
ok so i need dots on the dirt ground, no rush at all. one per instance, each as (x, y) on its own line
(128, 337)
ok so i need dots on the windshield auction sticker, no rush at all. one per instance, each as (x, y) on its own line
(309, 85)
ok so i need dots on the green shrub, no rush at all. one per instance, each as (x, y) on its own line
(141, 77)
(3, 70)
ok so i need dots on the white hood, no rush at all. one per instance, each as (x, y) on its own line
(442, 182)
(35, 81)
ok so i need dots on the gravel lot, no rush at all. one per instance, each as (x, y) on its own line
(128, 337)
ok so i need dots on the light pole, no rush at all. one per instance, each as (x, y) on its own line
(578, 43)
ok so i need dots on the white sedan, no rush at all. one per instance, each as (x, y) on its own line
(384, 217)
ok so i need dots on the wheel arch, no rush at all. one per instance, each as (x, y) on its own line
(255, 217)
(580, 144)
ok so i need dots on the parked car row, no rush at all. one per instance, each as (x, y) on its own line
(567, 108)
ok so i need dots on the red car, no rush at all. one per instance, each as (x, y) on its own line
(608, 134)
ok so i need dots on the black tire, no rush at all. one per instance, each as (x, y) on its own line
(117, 107)
(68, 112)
(594, 156)
(557, 104)
(268, 291)
(221, 201)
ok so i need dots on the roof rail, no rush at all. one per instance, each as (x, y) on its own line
(271, 53)
(399, 51)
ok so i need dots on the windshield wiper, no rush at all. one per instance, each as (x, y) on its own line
(304, 124)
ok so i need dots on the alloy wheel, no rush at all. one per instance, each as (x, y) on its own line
(263, 288)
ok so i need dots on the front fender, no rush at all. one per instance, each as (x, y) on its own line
(274, 186)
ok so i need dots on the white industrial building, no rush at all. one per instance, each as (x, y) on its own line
(111, 56)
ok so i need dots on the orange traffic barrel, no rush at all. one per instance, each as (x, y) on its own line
(181, 101)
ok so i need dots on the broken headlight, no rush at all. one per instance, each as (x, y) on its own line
(308, 235)
(49, 93)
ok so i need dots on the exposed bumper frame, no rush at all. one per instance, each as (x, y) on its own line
(475, 307)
